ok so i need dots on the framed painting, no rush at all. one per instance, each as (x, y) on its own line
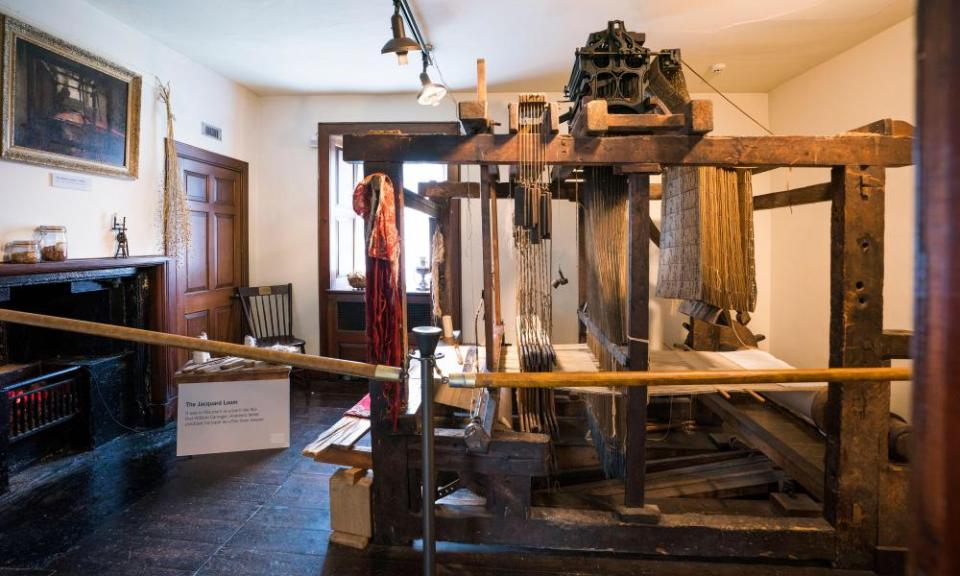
(65, 107)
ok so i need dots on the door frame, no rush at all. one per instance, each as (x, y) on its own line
(243, 168)
(324, 131)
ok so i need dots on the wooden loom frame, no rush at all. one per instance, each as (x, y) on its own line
(862, 489)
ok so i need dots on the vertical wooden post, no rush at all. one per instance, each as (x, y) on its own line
(482, 82)
(857, 412)
(935, 468)
(581, 268)
(450, 271)
(495, 247)
(392, 499)
(488, 191)
(638, 290)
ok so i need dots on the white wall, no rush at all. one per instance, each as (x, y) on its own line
(284, 226)
(26, 198)
(873, 80)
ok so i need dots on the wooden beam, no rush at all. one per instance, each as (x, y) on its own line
(491, 340)
(616, 351)
(887, 127)
(935, 468)
(420, 203)
(699, 116)
(434, 189)
(680, 535)
(354, 456)
(638, 329)
(392, 489)
(595, 119)
(562, 191)
(509, 453)
(473, 113)
(795, 197)
(495, 251)
(796, 151)
(638, 168)
(857, 413)
(552, 120)
(772, 436)
(482, 80)
(896, 344)
(449, 224)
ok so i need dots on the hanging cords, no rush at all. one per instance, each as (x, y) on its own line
(724, 96)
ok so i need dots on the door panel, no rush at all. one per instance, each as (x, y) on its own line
(196, 263)
(226, 323)
(216, 261)
(196, 186)
(225, 276)
(225, 191)
(197, 322)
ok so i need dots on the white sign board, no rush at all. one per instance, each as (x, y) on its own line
(70, 181)
(233, 416)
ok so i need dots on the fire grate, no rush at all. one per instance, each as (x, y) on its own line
(43, 402)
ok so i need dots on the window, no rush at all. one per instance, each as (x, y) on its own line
(416, 224)
(346, 228)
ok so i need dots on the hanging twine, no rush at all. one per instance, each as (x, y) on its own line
(174, 211)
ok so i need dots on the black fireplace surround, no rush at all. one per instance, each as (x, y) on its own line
(62, 392)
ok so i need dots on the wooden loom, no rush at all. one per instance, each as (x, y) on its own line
(854, 472)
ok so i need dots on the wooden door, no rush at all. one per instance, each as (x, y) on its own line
(216, 262)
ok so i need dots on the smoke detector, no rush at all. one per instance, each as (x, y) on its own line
(718, 67)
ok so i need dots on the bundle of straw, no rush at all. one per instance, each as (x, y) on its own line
(174, 211)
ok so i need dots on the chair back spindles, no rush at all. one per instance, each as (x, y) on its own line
(268, 313)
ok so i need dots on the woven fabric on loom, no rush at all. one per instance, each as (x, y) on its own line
(706, 237)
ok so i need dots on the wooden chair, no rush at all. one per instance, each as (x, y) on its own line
(268, 315)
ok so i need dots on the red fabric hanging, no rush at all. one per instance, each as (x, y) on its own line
(374, 199)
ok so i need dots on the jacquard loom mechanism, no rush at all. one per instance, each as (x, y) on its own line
(568, 460)
(615, 66)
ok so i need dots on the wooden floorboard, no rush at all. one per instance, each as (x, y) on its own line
(132, 507)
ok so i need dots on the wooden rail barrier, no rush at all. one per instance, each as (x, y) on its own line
(320, 363)
(678, 378)
(471, 380)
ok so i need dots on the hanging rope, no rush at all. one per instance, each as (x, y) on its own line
(532, 234)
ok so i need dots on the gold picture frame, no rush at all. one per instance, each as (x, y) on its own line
(63, 107)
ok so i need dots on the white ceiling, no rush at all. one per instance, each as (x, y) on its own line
(333, 46)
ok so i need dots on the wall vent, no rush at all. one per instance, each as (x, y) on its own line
(212, 131)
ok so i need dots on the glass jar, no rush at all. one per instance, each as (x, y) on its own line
(53, 243)
(22, 252)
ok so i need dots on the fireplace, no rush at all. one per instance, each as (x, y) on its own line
(63, 392)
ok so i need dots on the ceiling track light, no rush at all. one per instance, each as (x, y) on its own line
(430, 94)
(399, 44)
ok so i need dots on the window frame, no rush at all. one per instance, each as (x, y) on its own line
(327, 134)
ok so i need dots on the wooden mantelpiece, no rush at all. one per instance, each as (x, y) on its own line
(159, 272)
(80, 265)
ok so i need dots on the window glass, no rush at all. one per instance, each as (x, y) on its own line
(416, 224)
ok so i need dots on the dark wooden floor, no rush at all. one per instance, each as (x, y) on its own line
(133, 508)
